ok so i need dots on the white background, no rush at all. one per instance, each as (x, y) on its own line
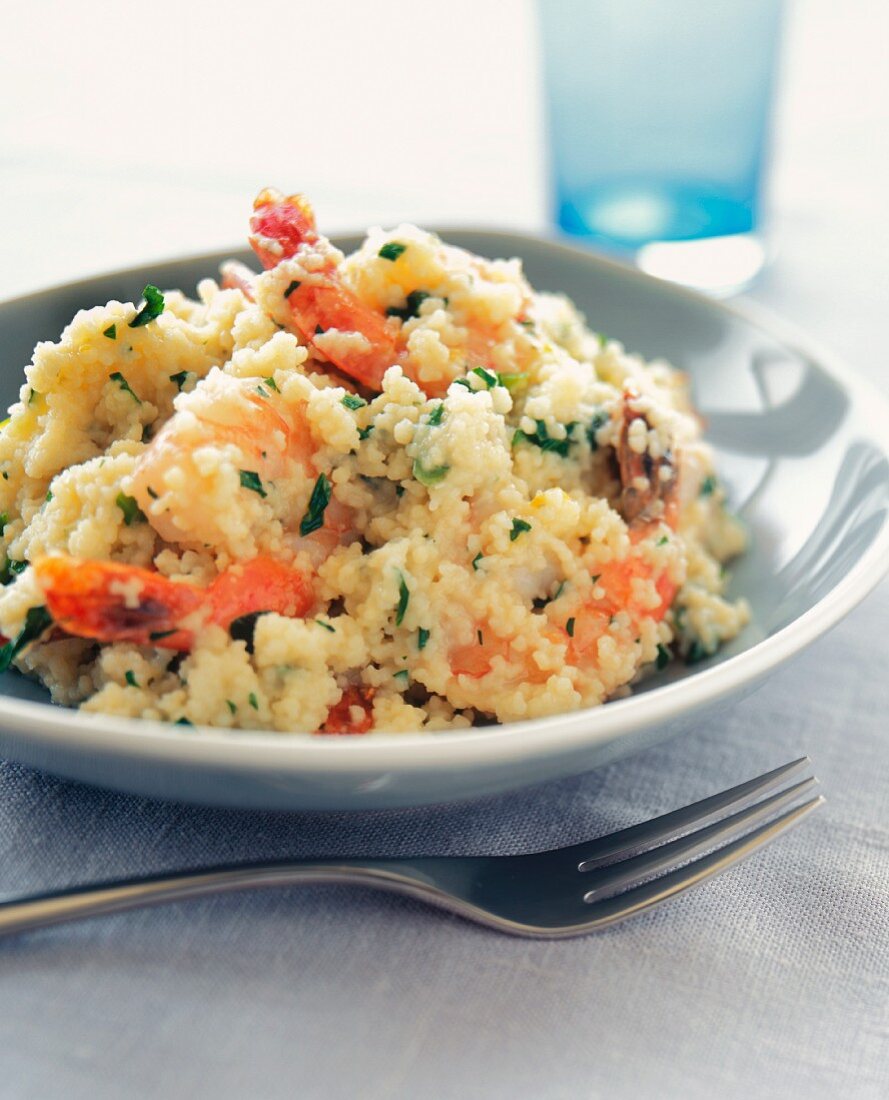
(135, 132)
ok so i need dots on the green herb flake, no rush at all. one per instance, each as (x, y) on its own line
(422, 637)
(518, 525)
(478, 557)
(436, 415)
(36, 393)
(125, 386)
(48, 495)
(130, 678)
(402, 675)
(250, 479)
(320, 498)
(326, 626)
(708, 486)
(180, 378)
(183, 721)
(132, 513)
(404, 597)
(110, 332)
(391, 250)
(353, 401)
(599, 420)
(595, 578)
(37, 621)
(414, 300)
(399, 490)
(290, 289)
(253, 701)
(663, 657)
(511, 382)
(696, 652)
(232, 709)
(4, 519)
(151, 492)
(363, 433)
(542, 439)
(662, 541)
(271, 383)
(157, 635)
(153, 308)
(429, 477)
(462, 382)
(569, 627)
(490, 380)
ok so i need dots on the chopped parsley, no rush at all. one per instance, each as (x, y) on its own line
(183, 721)
(11, 568)
(326, 626)
(708, 486)
(422, 638)
(34, 394)
(569, 627)
(250, 480)
(153, 308)
(253, 701)
(662, 541)
(271, 383)
(110, 332)
(478, 557)
(319, 331)
(4, 519)
(436, 415)
(429, 477)
(353, 401)
(542, 439)
(132, 513)
(663, 657)
(130, 678)
(125, 386)
(363, 433)
(399, 490)
(518, 525)
(511, 382)
(490, 380)
(404, 597)
(599, 420)
(463, 382)
(320, 498)
(290, 289)
(180, 379)
(391, 250)
(414, 300)
(232, 709)
(696, 652)
(48, 495)
(37, 621)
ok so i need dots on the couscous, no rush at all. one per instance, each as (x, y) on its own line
(391, 491)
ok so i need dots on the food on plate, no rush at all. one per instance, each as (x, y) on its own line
(390, 491)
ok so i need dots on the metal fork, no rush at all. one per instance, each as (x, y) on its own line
(550, 895)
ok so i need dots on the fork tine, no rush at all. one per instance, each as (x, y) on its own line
(659, 829)
(649, 894)
(631, 871)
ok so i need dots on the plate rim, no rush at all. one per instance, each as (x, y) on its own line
(259, 752)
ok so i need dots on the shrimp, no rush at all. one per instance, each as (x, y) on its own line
(113, 602)
(283, 227)
(648, 471)
(352, 714)
(266, 436)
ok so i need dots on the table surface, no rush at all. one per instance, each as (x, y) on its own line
(772, 980)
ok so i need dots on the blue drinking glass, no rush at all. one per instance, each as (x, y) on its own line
(658, 114)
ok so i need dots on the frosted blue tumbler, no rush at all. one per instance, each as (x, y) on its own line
(658, 115)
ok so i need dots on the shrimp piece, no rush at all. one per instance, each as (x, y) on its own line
(282, 227)
(649, 481)
(171, 481)
(352, 714)
(113, 602)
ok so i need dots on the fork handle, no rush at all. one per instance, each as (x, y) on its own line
(411, 877)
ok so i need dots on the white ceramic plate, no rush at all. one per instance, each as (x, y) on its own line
(802, 445)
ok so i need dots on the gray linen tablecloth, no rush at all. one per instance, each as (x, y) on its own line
(770, 981)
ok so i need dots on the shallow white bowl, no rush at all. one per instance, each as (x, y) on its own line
(802, 445)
